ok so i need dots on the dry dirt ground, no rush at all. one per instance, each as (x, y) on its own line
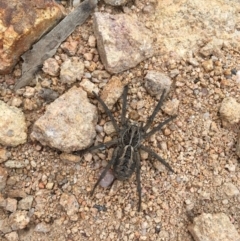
(196, 145)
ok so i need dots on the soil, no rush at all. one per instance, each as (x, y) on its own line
(196, 145)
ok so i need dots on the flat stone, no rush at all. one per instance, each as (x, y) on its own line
(15, 164)
(213, 227)
(122, 41)
(42, 228)
(70, 157)
(13, 128)
(67, 122)
(18, 31)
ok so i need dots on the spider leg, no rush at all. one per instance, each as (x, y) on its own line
(110, 163)
(155, 155)
(157, 108)
(123, 116)
(158, 127)
(106, 144)
(108, 112)
(138, 176)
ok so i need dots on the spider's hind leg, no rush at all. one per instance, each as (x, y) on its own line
(138, 176)
(155, 155)
(110, 163)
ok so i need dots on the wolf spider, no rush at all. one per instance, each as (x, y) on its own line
(126, 158)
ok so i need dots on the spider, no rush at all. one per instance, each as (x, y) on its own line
(126, 158)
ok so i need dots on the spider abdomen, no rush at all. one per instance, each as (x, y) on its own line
(124, 165)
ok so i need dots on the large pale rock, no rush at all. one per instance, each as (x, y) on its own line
(213, 227)
(13, 127)
(21, 24)
(122, 41)
(70, 204)
(68, 123)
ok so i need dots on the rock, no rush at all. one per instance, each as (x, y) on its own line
(51, 67)
(89, 87)
(15, 164)
(11, 205)
(3, 201)
(4, 226)
(29, 92)
(19, 31)
(25, 203)
(238, 145)
(207, 65)
(16, 101)
(13, 128)
(4, 155)
(116, 2)
(42, 228)
(171, 107)
(71, 70)
(3, 178)
(108, 179)
(100, 74)
(156, 82)
(211, 47)
(70, 157)
(19, 220)
(67, 122)
(109, 128)
(70, 47)
(122, 41)
(213, 227)
(13, 236)
(111, 93)
(69, 203)
(229, 111)
(48, 95)
(230, 189)
(92, 41)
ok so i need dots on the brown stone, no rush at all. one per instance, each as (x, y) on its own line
(21, 24)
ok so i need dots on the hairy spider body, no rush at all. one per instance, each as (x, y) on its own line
(126, 158)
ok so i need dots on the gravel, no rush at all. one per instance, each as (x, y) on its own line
(52, 191)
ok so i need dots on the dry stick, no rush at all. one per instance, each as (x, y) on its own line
(47, 46)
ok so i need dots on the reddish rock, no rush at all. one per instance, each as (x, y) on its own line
(21, 24)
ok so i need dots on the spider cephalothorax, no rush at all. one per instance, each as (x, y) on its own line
(126, 158)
